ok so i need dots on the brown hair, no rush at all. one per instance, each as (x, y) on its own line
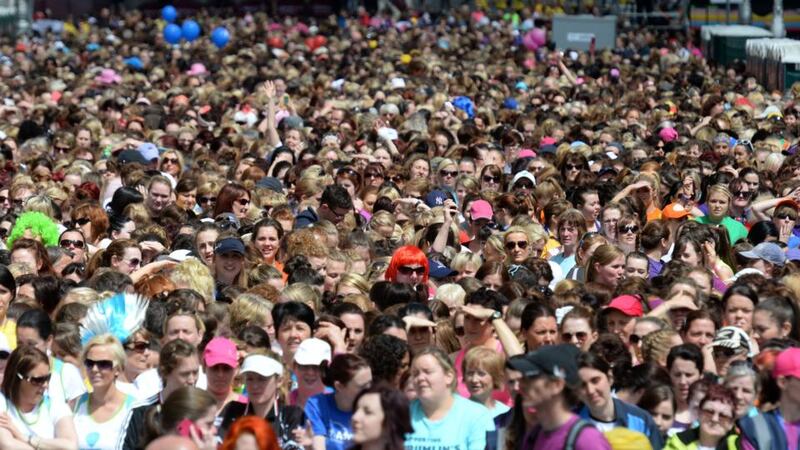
(97, 216)
(20, 363)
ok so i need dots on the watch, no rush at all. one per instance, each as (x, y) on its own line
(497, 315)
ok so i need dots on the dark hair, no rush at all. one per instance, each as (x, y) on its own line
(740, 289)
(335, 196)
(109, 280)
(382, 323)
(227, 195)
(700, 314)
(688, 352)
(760, 231)
(343, 368)
(292, 310)
(614, 351)
(267, 223)
(38, 320)
(187, 402)
(652, 234)
(171, 355)
(341, 309)
(254, 336)
(592, 360)
(385, 294)
(47, 292)
(396, 415)
(654, 395)
(415, 308)
(642, 376)
(21, 362)
(782, 310)
(384, 353)
(488, 299)
(534, 311)
(7, 281)
(123, 197)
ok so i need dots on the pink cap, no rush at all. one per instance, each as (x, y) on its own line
(221, 350)
(787, 364)
(628, 305)
(668, 134)
(481, 209)
(547, 140)
(526, 153)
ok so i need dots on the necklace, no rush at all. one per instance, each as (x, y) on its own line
(21, 415)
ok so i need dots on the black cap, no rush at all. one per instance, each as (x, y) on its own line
(229, 245)
(131, 156)
(271, 183)
(555, 360)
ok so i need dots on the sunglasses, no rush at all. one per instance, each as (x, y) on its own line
(448, 173)
(347, 170)
(4, 355)
(36, 381)
(396, 179)
(716, 416)
(3, 199)
(524, 185)
(208, 199)
(138, 347)
(135, 262)
(82, 221)
(491, 179)
(373, 175)
(169, 161)
(67, 243)
(785, 217)
(243, 201)
(102, 365)
(580, 335)
(629, 229)
(573, 167)
(405, 270)
(742, 194)
(511, 245)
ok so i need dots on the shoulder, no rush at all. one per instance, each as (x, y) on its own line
(587, 437)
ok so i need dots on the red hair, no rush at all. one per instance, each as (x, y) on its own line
(408, 254)
(258, 427)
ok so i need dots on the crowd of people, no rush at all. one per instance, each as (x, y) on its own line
(376, 233)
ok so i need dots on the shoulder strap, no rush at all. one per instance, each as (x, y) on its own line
(574, 431)
(763, 435)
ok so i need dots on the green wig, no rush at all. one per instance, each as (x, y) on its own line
(39, 224)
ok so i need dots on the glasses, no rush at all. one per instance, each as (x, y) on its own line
(70, 243)
(4, 355)
(82, 221)
(742, 194)
(243, 201)
(138, 347)
(208, 199)
(36, 381)
(511, 245)
(396, 179)
(580, 336)
(169, 161)
(133, 263)
(629, 229)
(406, 270)
(102, 365)
(716, 416)
(3, 199)
(448, 173)
(62, 149)
(491, 179)
(524, 185)
(573, 167)
(785, 216)
(372, 175)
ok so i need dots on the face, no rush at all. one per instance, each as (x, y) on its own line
(183, 327)
(205, 245)
(260, 390)
(355, 331)
(130, 261)
(595, 388)
(291, 333)
(431, 381)
(690, 256)
(683, 373)
(228, 265)
(591, 207)
(33, 391)
(333, 273)
(700, 332)
(27, 257)
(348, 185)
(137, 353)
(267, 242)
(493, 281)
(447, 175)
(185, 374)
(419, 338)
(367, 421)
(100, 366)
(170, 164)
(420, 169)
(744, 391)
(636, 268)
(568, 235)
(73, 241)
(186, 200)
(5, 299)
(543, 331)
(477, 331)
(479, 383)
(466, 168)
(83, 139)
(410, 274)
(240, 206)
(620, 324)
(220, 378)
(29, 336)
(490, 182)
(517, 247)
(158, 196)
(765, 327)
(611, 273)
(716, 418)
(576, 331)
(739, 312)
(717, 206)
(663, 415)
(362, 378)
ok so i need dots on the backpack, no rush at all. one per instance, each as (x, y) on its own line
(572, 435)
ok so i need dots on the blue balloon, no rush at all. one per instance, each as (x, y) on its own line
(169, 13)
(172, 33)
(220, 36)
(191, 30)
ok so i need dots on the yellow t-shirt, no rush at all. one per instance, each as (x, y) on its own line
(9, 329)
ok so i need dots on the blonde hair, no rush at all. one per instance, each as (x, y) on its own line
(303, 293)
(491, 361)
(248, 309)
(656, 345)
(40, 203)
(460, 262)
(83, 295)
(117, 351)
(354, 280)
(193, 274)
(451, 293)
(444, 362)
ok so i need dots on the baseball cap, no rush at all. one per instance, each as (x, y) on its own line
(221, 350)
(556, 360)
(227, 221)
(628, 305)
(436, 198)
(549, 148)
(148, 150)
(768, 251)
(262, 365)
(131, 156)
(787, 364)
(271, 183)
(438, 270)
(674, 211)
(523, 174)
(229, 245)
(312, 352)
(734, 338)
(481, 209)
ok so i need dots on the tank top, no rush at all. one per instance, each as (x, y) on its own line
(99, 435)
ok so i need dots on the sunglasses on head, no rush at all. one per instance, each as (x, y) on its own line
(36, 381)
(67, 243)
(102, 365)
(406, 270)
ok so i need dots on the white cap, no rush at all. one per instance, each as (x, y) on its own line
(398, 83)
(180, 255)
(312, 352)
(262, 365)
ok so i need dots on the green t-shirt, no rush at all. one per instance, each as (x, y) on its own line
(736, 230)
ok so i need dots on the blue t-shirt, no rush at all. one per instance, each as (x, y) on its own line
(463, 428)
(329, 421)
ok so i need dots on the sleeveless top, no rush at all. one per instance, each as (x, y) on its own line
(100, 435)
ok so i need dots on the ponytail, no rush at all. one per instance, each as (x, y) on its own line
(783, 310)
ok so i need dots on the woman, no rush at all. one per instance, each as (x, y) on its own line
(466, 422)
(233, 198)
(717, 419)
(310, 363)
(330, 414)
(92, 220)
(719, 200)
(171, 162)
(8, 291)
(571, 167)
(588, 244)
(100, 415)
(35, 421)
(250, 433)
(685, 365)
(538, 325)
(742, 195)
(659, 401)
(646, 187)
(261, 380)
(491, 179)
(374, 174)
(587, 201)
(447, 174)
(294, 323)
(418, 166)
(32, 253)
(738, 305)
(606, 266)
(350, 179)
(123, 255)
(628, 231)
(517, 244)
(775, 318)
(196, 405)
(267, 235)
(745, 385)
(381, 419)
(228, 266)
(493, 275)
(204, 240)
(609, 218)
(409, 265)
(571, 226)
(484, 372)
(601, 407)
(578, 328)
(186, 194)
(138, 351)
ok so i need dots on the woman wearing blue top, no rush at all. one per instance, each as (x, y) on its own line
(441, 419)
(330, 414)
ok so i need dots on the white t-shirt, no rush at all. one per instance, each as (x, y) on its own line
(66, 381)
(104, 435)
(148, 383)
(41, 422)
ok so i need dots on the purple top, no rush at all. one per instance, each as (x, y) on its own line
(588, 439)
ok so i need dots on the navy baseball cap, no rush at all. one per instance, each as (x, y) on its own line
(438, 270)
(554, 360)
(436, 198)
(229, 245)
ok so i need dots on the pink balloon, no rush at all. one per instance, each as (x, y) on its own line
(529, 42)
(539, 36)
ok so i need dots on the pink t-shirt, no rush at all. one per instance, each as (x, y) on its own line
(590, 438)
